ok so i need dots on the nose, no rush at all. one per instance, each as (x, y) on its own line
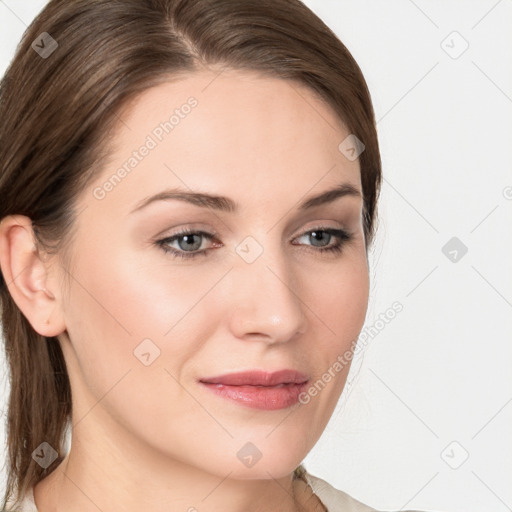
(265, 299)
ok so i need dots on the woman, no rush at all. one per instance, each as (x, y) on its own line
(189, 193)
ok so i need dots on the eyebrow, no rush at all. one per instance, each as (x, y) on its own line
(225, 204)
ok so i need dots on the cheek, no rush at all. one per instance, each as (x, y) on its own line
(136, 299)
(343, 301)
(127, 308)
(341, 305)
(112, 310)
(116, 317)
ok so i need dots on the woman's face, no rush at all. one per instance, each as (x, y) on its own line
(249, 289)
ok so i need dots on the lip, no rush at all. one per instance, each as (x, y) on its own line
(259, 389)
(258, 378)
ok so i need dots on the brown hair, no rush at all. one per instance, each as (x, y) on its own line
(58, 114)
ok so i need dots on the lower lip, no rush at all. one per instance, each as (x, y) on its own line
(267, 398)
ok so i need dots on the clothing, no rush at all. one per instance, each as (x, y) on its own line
(333, 499)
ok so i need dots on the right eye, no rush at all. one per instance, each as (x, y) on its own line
(189, 243)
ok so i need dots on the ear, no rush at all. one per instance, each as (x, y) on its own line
(32, 287)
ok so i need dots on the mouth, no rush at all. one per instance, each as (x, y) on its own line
(259, 389)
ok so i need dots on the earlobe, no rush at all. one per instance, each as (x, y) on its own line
(27, 276)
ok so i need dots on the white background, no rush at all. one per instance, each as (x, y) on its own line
(439, 374)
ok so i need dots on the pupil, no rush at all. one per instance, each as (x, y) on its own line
(188, 239)
(319, 235)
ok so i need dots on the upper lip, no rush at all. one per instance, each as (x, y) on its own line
(258, 378)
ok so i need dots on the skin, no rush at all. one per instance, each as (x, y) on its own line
(151, 437)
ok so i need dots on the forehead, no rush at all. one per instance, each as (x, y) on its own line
(245, 132)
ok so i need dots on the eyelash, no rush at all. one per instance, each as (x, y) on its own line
(342, 236)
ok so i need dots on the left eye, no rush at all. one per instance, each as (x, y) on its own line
(320, 235)
(189, 242)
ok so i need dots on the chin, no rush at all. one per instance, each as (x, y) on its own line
(249, 460)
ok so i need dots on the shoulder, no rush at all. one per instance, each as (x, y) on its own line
(334, 499)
